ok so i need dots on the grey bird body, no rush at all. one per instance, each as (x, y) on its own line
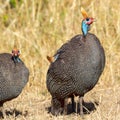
(13, 77)
(76, 70)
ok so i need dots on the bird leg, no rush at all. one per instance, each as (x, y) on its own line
(65, 106)
(66, 103)
(73, 106)
(81, 105)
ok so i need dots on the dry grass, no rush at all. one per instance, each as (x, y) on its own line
(39, 28)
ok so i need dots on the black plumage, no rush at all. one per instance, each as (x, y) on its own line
(13, 77)
(76, 69)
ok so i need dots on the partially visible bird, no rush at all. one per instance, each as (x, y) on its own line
(15, 55)
(76, 68)
(13, 76)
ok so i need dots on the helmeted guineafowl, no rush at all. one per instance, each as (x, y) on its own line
(76, 68)
(13, 76)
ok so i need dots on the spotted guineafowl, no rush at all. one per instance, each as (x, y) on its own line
(13, 76)
(76, 68)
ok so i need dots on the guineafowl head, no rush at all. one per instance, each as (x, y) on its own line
(15, 55)
(86, 22)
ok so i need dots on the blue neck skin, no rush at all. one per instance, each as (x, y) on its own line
(85, 28)
(16, 59)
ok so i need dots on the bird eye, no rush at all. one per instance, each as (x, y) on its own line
(19, 51)
(87, 19)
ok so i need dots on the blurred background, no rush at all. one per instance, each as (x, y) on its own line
(39, 28)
